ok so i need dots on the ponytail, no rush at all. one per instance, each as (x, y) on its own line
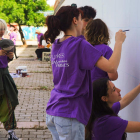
(60, 22)
(53, 24)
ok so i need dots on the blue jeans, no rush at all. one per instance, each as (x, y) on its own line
(65, 128)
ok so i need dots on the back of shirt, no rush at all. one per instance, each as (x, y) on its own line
(97, 73)
(72, 61)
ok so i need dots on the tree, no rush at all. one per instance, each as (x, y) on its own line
(24, 12)
(51, 8)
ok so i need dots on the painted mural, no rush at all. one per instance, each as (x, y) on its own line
(29, 32)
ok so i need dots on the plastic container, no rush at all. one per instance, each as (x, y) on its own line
(23, 73)
(21, 68)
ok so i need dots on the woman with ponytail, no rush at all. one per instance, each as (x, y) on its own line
(104, 123)
(72, 58)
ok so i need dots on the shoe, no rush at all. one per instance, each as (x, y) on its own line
(12, 136)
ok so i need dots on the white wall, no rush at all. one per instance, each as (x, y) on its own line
(122, 14)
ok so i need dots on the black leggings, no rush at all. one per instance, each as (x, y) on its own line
(40, 51)
(15, 52)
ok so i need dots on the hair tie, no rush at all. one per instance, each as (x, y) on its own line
(74, 5)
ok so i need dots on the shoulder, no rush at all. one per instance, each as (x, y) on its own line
(84, 43)
(112, 121)
(71, 40)
(116, 107)
(103, 47)
(116, 122)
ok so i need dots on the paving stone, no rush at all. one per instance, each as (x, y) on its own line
(31, 111)
(28, 134)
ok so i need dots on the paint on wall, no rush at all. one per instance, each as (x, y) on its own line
(29, 32)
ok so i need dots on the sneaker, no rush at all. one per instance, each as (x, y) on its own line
(12, 136)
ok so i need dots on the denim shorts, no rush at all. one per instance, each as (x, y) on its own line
(65, 128)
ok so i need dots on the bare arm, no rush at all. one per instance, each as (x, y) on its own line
(129, 97)
(112, 64)
(113, 76)
(133, 127)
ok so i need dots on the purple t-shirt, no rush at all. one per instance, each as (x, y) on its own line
(97, 73)
(3, 61)
(13, 35)
(109, 127)
(72, 61)
(81, 36)
(38, 37)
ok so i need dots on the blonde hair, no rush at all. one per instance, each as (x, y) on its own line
(97, 32)
(3, 25)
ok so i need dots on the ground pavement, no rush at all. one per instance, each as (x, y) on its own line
(34, 93)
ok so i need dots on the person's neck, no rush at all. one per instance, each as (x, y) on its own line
(83, 32)
(67, 35)
(71, 33)
(0, 38)
(110, 104)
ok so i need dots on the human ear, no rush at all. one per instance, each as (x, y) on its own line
(75, 21)
(104, 98)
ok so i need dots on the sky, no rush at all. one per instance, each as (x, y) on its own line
(51, 2)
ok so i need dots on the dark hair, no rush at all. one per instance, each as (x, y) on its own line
(96, 32)
(99, 107)
(60, 22)
(88, 12)
(41, 38)
(12, 26)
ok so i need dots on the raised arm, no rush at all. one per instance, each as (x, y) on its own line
(133, 127)
(129, 97)
(112, 64)
(113, 76)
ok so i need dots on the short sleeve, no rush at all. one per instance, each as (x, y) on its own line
(116, 107)
(88, 55)
(108, 53)
(116, 125)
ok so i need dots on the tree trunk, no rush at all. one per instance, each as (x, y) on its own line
(22, 35)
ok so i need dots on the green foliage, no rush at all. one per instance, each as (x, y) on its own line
(24, 12)
(51, 8)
